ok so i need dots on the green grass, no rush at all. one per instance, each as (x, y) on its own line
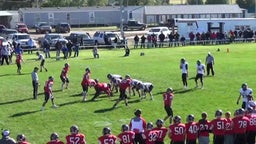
(21, 114)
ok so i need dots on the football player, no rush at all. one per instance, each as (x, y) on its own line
(75, 137)
(54, 139)
(86, 82)
(114, 80)
(218, 128)
(251, 127)
(126, 136)
(177, 131)
(200, 73)
(244, 92)
(229, 138)
(64, 76)
(204, 129)
(18, 63)
(6, 139)
(150, 135)
(162, 131)
(101, 87)
(168, 97)
(184, 72)
(48, 93)
(191, 130)
(107, 137)
(135, 86)
(21, 139)
(240, 124)
(42, 59)
(145, 88)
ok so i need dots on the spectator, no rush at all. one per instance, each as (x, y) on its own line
(4, 53)
(176, 38)
(75, 137)
(154, 40)
(58, 47)
(76, 49)
(149, 39)
(21, 139)
(161, 38)
(138, 125)
(6, 139)
(31, 45)
(136, 41)
(69, 46)
(64, 50)
(143, 39)
(35, 82)
(171, 37)
(183, 41)
(95, 51)
(47, 47)
(54, 139)
(115, 42)
(209, 60)
(191, 38)
(168, 97)
(10, 52)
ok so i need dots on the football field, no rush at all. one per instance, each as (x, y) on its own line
(21, 114)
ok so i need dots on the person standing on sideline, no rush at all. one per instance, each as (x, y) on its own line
(6, 139)
(200, 73)
(209, 61)
(168, 97)
(48, 93)
(18, 63)
(136, 41)
(76, 49)
(244, 93)
(184, 72)
(54, 139)
(142, 42)
(31, 45)
(47, 48)
(95, 51)
(138, 125)
(69, 46)
(42, 59)
(58, 47)
(86, 82)
(35, 82)
(4, 52)
(64, 76)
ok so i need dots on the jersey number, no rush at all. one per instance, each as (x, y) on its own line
(109, 141)
(74, 140)
(126, 139)
(178, 130)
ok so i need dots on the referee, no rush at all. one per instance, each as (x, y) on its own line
(209, 64)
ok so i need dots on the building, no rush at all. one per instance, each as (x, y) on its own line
(112, 15)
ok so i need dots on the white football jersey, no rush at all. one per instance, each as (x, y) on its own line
(200, 68)
(135, 82)
(245, 93)
(183, 67)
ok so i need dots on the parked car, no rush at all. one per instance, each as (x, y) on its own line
(2, 27)
(52, 38)
(158, 30)
(81, 37)
(100, 36)
(134, 25)
(62, 27)
(21, 27)
(6, 32)
(21, 38)
(2, 41)
(43, 27)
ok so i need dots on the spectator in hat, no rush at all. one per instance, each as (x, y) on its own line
(6, 139)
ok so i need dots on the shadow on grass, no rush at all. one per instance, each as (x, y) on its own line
(76, 95)
(70, 103)
(104, 110)
(134, 101)
(12, 74)
(15, 101)
(192, 78)
(184, 91)
(24, 113)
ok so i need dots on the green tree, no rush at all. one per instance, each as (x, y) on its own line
(195, 2)
(247, 4)
(216, 2)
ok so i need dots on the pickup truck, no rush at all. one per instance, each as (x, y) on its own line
(134, 25)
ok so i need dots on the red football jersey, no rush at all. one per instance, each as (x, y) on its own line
(86, 78)
(75, 139)
(18, 59)
(126, 137)
(48, 86)
(124, 84)
(252, 122)
(218, 126)
(240, 124)
(168, 97)
(55, 142)
(64, 72)
(204, 127)
(177, 132)
(162, 131)
(103, 87)
(191, 130)
(151, 136)
(228, 126)
(107, 139)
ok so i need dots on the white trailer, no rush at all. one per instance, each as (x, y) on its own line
(185, 26)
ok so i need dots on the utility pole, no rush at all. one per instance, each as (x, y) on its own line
(122, 18)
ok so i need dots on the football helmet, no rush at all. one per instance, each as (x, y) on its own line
(177, 119)
(169, 89)
(218, 113)
(182, 60)
(74, 129)
(21, 137)
(241, 111)
(109, 76)
(190, 118)
(204, 115)
(96, 80)
(5, 133)
(66, 65)
(127, 76)
(198, 62)
(54, 136)
(87, 69)
(137, 112)
(106, 130)
(236, 113)
(125, 127)
(249, 109)
(50, 78)
(244, 86)
(159, 122)
(150, 125)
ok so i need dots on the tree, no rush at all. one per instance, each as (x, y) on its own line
(216, 2)
(195, 2)
(247, 4)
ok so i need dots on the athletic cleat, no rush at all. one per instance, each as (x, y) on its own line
(54, 106)
(42, 109)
